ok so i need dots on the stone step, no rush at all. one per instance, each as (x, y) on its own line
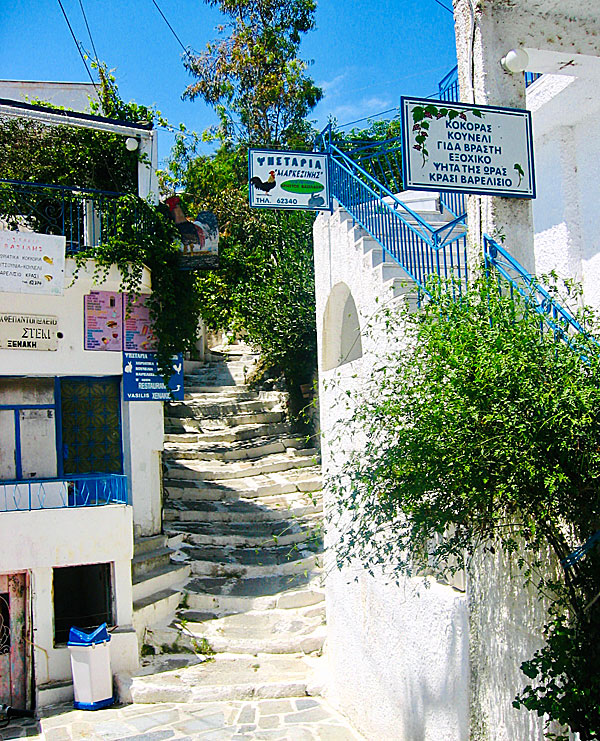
(190, 424)
(227, 677)
(253, 562)
(226, 434)
(228, 595)
(218, 410)
(276, 631)
(166, 577)
(222, 470)
(278, 508)
(305, 480)
(249, 534)
(239, 450)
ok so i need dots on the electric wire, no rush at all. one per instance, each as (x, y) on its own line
(77, 44)
(87, 25)
(445, 7)
(179, 41)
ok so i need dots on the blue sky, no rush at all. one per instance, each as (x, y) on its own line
(366, 52)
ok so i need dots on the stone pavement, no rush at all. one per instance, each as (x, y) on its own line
(289, 719)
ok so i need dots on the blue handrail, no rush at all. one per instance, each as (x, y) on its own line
(555, 316)
(78, 490)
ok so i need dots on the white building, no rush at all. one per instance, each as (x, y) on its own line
(443, 664)
(79, 466)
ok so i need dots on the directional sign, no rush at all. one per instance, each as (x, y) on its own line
(467, 148)
(143, 382)
(288, 180)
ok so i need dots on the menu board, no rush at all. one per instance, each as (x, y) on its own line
(32, 263)
(138, 335)
(103, 321)
(143, 382)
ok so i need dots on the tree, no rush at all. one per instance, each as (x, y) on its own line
(253, 77)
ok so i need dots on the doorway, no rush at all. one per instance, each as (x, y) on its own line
(13, 644)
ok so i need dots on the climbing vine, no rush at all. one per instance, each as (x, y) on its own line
(481, 432)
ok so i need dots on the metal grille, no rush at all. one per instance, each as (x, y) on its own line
(91, 425)
(4, 624)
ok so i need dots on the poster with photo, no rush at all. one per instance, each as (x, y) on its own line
(103, 321)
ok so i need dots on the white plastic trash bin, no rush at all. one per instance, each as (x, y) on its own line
(90, 665)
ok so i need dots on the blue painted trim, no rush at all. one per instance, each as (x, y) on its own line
(58, 428)
(94, 705)
(18, 463)
(26, 406)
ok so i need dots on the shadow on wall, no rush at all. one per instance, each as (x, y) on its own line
(341, 329)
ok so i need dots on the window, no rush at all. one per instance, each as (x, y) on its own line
(82, 599)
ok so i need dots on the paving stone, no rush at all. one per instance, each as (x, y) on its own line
(306, 702)
(268, 721)
(151, 736)
(246, 728)
(110, 730)
(335, 733)
(300, 734)
(152, 720)
(311, 715)
(205, 723)
(247, 715)
(56, 734)
(272, 707)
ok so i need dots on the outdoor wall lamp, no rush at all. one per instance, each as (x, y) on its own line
(516, 60)
(131, 143)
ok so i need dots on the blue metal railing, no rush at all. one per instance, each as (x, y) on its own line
(555, 316)
(85, 217)
(404, 235)
(448, 88)
(79, 490)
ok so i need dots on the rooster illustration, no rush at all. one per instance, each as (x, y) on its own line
(267, 185)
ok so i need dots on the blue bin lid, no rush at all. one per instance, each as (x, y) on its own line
(80, 638)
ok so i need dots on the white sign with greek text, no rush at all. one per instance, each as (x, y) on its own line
(32, 263)
(288, 180)
(29, 332)
(467, 148)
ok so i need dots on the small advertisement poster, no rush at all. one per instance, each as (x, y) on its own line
(199, 237)
(288, 180)
(138, 334)
(142, 381)
(29, 332)
(103, 321)
(32, 263)
(467, 148)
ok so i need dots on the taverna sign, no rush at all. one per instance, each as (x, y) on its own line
(467, 148)
(288, 180)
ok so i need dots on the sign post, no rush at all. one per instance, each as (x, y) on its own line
(289, 180)
(467, 148)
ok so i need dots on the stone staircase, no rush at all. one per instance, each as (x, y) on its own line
(242, 513)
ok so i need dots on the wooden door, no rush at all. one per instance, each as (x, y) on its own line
(13, 647)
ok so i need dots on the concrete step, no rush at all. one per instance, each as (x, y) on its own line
(253, 562)
(223, 471)
(144, 563)
(227, 677)
(145, 544)
(276, 631)
(165, 577)
(224, 595)
(154, 609)
(248, 534)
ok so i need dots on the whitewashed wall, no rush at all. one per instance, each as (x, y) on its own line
(398, 655)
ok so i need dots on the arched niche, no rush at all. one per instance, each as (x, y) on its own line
(341, 329)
